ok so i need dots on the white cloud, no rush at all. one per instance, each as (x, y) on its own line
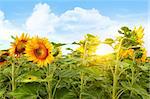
(75, 23)
(69, 26)
(7, 29)
(42, 20)
(5, 25)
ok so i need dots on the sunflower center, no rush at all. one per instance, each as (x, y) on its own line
(41, 52)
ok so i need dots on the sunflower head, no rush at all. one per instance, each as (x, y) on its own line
(139, 34)
(144, 56)
(141, 56)
(3, 57)
(18, 46)
(127, 53)
(39, 50)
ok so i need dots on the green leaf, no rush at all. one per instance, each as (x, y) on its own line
(68, 73)
(7, 71)
(2, 91)
(58, 44)
(109, 41)
(64, 93)
(69, 49)
(25, 92)
(139, 90)
(76, 43)
(13, 37)
(90, 35)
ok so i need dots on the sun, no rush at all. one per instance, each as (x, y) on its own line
(39, 50)
(104, 49)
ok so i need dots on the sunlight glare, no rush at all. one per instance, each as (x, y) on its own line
(104, 49)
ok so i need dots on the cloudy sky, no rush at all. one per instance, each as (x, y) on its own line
(68, 20)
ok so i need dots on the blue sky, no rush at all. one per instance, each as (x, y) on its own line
(18, 10)
(62, 19)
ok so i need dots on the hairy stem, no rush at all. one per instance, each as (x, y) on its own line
(115, 74)
(81, 86)
(84, 64)
(49, 89)
(133, 75)
(13, 77)
(55, 88)
(50, 74)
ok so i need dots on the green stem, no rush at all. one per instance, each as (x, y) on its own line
(81, 87)
(133, 76)
(132, 69)
(115, 82)
(84, 64)
(50, 74)
(55, 88)
(13, 78)
(49, 89)
(132, 80)
(115, 74)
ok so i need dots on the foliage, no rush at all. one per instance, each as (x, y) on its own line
(81, 74)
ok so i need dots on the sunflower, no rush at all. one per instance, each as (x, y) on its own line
(139, 34)
(128, 53)
(18, 47)
(143, 57)
(2, 60)
(39, 51)
(3, 57)
(123, 53)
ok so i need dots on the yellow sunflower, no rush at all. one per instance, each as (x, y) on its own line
(129, 53)
(3, 56)
(18, 47)
(143, 58)
(39, 51)
(139, 34)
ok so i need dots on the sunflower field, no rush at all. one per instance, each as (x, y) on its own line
(36, 68)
